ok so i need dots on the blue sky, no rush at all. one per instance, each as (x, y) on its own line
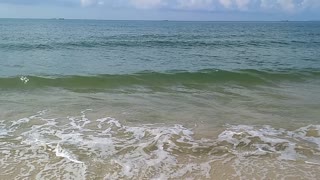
(163, 9)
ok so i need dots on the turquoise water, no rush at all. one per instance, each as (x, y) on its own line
(85, 99)
(79, 47)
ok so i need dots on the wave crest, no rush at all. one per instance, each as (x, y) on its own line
(158, 80)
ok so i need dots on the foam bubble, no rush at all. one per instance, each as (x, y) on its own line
(24, 79)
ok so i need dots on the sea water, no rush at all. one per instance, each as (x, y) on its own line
(85, 99)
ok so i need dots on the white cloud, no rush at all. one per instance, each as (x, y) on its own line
(145, 4)
(195, 4)
(226, 3)
(290, 6)
(100, 3)
(86, 3)
(265, 4)
(310, 4)
(242, 4)
(287, 5)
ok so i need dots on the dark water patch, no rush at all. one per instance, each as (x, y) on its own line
(174, 42)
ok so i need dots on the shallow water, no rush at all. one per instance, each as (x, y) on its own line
(87, 148)
(159, 100)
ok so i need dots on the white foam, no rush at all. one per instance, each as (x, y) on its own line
(156, 150)
(65, 154)
(112, 121)
(268, 140)
(3, 132)
(303, 134)
(20, 121)
(24, 79)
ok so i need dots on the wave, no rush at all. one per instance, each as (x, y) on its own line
(158, 42)
(156, 79)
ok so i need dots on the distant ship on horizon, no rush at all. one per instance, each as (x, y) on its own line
(58, 18)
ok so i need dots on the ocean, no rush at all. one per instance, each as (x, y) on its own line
(93, 99)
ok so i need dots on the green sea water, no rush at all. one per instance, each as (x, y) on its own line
(85, 99)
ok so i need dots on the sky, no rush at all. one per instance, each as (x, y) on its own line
(199, 10)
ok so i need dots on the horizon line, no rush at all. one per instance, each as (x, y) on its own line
(62, 18)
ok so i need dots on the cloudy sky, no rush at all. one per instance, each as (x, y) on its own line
(163, 9)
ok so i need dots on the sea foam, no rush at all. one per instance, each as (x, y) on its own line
(79, 145)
